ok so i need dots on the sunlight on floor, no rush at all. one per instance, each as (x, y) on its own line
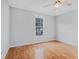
(39, 53)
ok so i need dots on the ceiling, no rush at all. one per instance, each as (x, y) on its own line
(38, 6)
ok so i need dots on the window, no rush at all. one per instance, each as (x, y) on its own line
(39, 26)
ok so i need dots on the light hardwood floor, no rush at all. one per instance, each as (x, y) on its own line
(47, 50)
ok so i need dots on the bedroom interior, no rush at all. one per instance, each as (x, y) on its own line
(39, 29)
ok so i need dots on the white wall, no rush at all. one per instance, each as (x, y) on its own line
(23, 27)
(67, 27)
(4, 28)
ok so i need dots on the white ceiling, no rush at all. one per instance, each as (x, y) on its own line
(37, 6)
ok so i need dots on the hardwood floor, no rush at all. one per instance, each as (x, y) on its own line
(48, 50)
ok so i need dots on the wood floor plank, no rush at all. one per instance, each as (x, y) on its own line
(51, 50)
